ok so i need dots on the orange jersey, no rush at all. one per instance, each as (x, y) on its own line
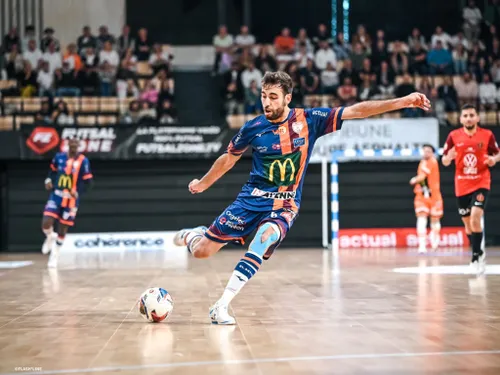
(471, 172)
(431, 186)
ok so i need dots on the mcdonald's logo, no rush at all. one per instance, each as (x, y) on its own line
(65, 182)
(282, 170)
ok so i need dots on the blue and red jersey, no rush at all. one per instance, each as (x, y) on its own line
(69, 174)
(281, 153)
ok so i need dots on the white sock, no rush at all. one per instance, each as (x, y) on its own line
(192, 239)
(422, 231)
(48, 232)
(236, 282)
(435, 230)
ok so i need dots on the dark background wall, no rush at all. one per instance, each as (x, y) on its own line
(152, 196)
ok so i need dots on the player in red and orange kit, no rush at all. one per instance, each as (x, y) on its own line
(474, 150)
(428, 199)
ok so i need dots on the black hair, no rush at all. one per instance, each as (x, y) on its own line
(430, 146)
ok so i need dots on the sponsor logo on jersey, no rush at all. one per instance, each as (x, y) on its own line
(280, 195)
(297, 127)
(276, 146)
(42, 140)
(261, 148)
(297, 142)
(470, 162)
(65, 182)
(480, 145)
(280, 131)
(281, 170)
(319, 113)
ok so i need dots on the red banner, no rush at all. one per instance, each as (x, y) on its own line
(398, 237)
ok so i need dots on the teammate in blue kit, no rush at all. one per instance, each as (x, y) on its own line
(282, 141)
(69, 176)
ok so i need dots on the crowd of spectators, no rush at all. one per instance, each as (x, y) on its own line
(449, 69)
(127, 66)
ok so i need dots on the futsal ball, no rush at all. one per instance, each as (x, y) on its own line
(155, 304)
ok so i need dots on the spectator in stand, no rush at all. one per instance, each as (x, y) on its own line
(223, 43)
(448, 94)
(45, 113)
(385, 80)
(86, 40)
(131, 116)
(233, 90)
(62, 115)
(368, 90)
(73, 58)
(329, 80)
(358, 55)
(322, 35)
(301, 56)
(252, 99)
(460, 58)
(347, 92)
(89, 82)
(159, 59)
(303, 39)
(324, 56)
(403, 89)
(297, 95)
(418, 59)
(472, 20)
(244, 40)
(495, 72)
(150, 93)
(425, 87)
(32, 54)
(367, 71)
(342, 48)
(399, 57)
(474, 56)
(90, 59)
(363, 38)
(441, 36)
(251, 74)
(437, 107)
(29, 34)
(459, 39)
(27, 81)
(467, 89)
(284, 45)
(348, 72)
(147, 112)
(167, 114)
(166, 86)
(109, 55)
(45, 80)
(494, 54)
(65, 81)
(48, 38)
(487, 94)
(143, 45)
(125, 41)
(246, 58)
(481, 70)
(440, 60)
(103, 37)
(53, 57)
(309, 79)
(490, 36)
(14, 62)
(107, 75)
(379, 38)
(265, 62)
(10, 40)
(416, 37)
(379, 54)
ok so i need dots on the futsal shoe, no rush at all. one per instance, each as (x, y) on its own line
(478, 264)
(219, 315)
(179, 238)
(48, 243)
(422, 250)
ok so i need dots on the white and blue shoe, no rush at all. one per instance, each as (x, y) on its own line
(478, 265)
(179, 238)
(219, 315)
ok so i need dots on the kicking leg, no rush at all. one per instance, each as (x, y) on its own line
(48, 230)
(268, 234)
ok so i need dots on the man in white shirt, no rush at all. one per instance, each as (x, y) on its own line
(45, 80)
(460, 39)
(108, 54)
(245, 39)
(33, 54)
(324, 56)
(472, 21)
(251, 74)
(487, 93)
(223, 43)
(440, 35)
(53, 58)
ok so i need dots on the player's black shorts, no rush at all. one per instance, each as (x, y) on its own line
(477, 198)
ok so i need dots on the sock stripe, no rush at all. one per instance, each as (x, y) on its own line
(244, 268)
(253, 256)
(251, 261)
(191, 241)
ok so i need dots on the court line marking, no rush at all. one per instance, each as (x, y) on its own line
(264, 360)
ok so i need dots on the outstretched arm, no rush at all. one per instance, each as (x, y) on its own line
(377, 107)
(223, 164)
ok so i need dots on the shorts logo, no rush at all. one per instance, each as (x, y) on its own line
(51, 205)
(280, 195)
(274, 215)
(222, 220)
(480, 197)
(464, 211)
(42, 140)
(288, 215)
(297, 142)
(297, 127)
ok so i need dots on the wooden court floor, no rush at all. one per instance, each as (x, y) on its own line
(305, 312)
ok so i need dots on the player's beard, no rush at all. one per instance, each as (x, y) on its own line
(470, 127)
(276, 114)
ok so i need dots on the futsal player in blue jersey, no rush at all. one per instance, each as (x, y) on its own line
(282, 141)
(69, 176)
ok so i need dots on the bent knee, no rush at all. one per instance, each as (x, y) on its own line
(205, 248)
